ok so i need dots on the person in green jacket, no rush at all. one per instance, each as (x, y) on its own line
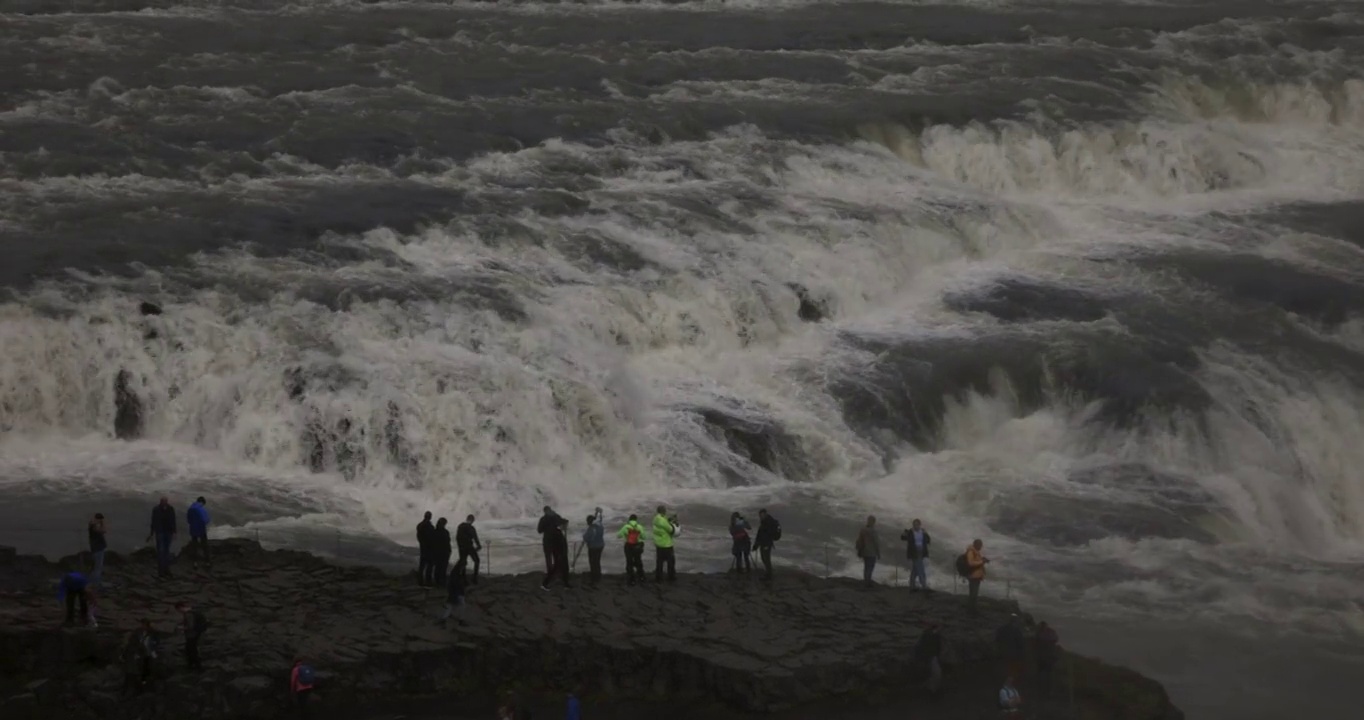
(664, 529)
(633, 534)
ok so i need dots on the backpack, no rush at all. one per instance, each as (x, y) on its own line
(632, 536)
(963, 567)
(777, 535)
(306, 675)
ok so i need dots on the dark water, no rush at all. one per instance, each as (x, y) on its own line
(1081, 279)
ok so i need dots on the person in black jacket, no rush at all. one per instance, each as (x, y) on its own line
(769, 531)
(440, 551)
(928, 653)
(426, 569)
(466, 537)
(548, 522)
(163, 529)
(916, 549)
(194, 624)
(557, 539)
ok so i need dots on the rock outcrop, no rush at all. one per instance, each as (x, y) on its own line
(725, 642)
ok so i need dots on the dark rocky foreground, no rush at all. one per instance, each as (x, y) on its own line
(709, 646)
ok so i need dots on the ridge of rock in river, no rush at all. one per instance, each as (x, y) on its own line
(712, 645)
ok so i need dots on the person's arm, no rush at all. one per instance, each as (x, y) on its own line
(478, 544)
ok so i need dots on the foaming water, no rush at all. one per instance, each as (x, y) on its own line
(1090, 291)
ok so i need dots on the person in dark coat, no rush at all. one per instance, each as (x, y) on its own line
(594, 539)
(163, 529)
(194, 624)
(928, 654)
(1046, 648)
(466, 538)
(558, 540)
(916, 549)
(548, 522)
(769, 530)
(440, 551)
(426, 569)
(1012, 645)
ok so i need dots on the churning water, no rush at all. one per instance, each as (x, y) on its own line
(1082, 279)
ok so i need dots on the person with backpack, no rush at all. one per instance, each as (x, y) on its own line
(769, 532)
(916, 549)
(466, 538)
(163, 529)
(594, 539)
(558, 540)
(868, 548)
(426, 569)
(548, 522)
(194, 624)
(743, 545)
(72, 589)
(197, 519)
(633, 534)
(302, 680)
(971, 565)
(665, 528)
(440, 551)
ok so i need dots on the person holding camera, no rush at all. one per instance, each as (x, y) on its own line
(743, 544)
(665, 528)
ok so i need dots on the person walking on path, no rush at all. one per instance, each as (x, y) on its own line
(98, 546)
(426, 570)
(72, 590)
(440, 552)
(197, 519)
(928, 652)
(975, 571)
(869, 549)
(594, 539)
(1046, 648)
(916, 549)
(665, 528)
(302, 680)
(194, 625)
(558, 539)
(769, 532)
(742, 549)
(548, 522)
(163, 528)
(633, 534)
(466, 538)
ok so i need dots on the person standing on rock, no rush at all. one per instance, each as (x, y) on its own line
(869, 549)
(558, 540)
(928, 652)
(633, 534)
(163, 529)
(1046, 648)
(72, 589)
(916, 549)
(1010, 700)
(975, 571)
(194, 625)
(594, 539)
(769, 532)
(664, 529)
(440, 551)
(426, 569)
(302, 679)
(466, 537)
(548, 522)
(197, 519)
(742, 549)
(143, 648)
(98, 546)
(1012, 645)
(454, 594)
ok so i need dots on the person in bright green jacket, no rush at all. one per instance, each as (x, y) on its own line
(633, 534)
(664, 530)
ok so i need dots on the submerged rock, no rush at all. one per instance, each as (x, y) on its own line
(716, 645)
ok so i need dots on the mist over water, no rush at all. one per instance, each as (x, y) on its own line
(1083, 280)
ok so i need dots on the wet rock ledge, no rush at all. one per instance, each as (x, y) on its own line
(727, 643)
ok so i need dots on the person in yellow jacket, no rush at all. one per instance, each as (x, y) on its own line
(664, 529)
(633, 535)
(976, 562)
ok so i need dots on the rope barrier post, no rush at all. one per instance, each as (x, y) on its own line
(490, 557)
(1070, 662)
(826, 561)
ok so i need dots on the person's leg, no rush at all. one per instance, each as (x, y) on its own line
(97, 574)
(934, 676)
(203, 540)
(474, 555)
(549, 559)
(974, 588)
(84, 603)
(162, 553)
(70, 607)
(192, 652)
(868, 568)
(918, 574)
(659, 554)
(672, 564)
(594, 561)
(765, 553)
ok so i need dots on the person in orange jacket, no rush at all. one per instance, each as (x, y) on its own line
(976, 562)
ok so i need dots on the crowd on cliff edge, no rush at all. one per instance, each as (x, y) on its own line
(437, 546)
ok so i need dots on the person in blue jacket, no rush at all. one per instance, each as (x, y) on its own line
(71, 588)
(196, 517)
(574, 708)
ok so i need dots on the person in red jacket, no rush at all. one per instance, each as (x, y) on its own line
(301, 680)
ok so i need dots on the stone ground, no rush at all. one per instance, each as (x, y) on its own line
(800, 646)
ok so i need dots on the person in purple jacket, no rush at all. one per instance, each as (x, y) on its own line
(196, 517)
(71, 588)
